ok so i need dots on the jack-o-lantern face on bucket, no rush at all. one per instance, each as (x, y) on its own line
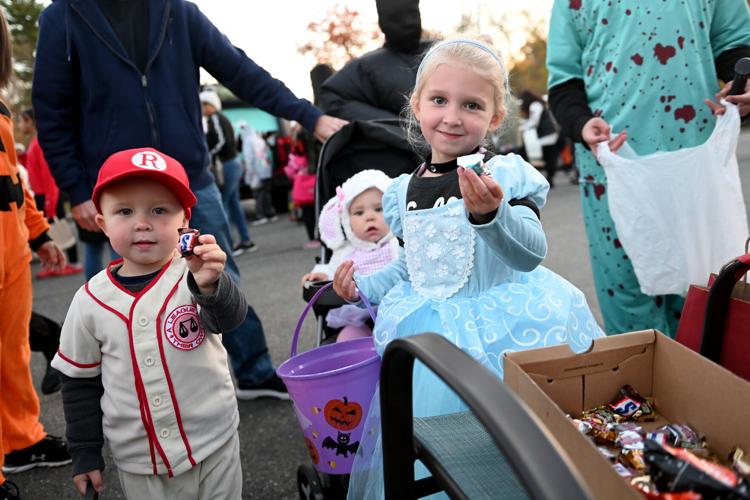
(343, 414)
(312, 450)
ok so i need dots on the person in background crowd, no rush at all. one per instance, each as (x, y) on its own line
(109, 76)
(617, 68)
(24, 444)
(49, 199)
(538, 116)
(375, 85)
(223, 149)
(258, 172)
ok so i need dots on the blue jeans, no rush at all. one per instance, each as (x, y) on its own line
(230, 196)
(246, 344)
(93, 253)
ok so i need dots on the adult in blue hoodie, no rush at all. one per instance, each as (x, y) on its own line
(118, 74)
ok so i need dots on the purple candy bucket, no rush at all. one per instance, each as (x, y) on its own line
(331, 387)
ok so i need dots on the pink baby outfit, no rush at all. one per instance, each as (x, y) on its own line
(368, 257)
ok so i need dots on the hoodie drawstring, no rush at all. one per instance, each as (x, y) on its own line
(67, 29)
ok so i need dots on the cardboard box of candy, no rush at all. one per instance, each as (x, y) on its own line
(680, 386)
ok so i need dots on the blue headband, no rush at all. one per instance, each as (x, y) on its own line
(473, 43)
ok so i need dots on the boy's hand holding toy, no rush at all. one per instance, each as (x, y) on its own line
(206, 263)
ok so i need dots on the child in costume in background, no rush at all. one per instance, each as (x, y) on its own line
(351, 224)
(24, 444)
(473, 244)
(140, 357)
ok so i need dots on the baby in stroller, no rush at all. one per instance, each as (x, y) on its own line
(351, 224)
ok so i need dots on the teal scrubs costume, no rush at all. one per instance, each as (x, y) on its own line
(647, 67)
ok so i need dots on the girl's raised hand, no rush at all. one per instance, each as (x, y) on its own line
(481, 193)
(207, 263)
(343, 282)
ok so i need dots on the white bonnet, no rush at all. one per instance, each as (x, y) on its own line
(333, 222)
(212, 98)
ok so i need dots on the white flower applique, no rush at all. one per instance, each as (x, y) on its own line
(458, 252)
(452, 233)
(433, 251)
(430, 231)
(455, 209)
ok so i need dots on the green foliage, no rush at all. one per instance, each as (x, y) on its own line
(23, 21)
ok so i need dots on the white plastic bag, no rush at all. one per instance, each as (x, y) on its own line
(679, 215)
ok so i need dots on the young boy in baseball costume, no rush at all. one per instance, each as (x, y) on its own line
(141, 360)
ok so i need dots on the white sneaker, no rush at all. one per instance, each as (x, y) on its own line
(259, 222)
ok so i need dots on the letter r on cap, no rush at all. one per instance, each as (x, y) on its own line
(149, 160)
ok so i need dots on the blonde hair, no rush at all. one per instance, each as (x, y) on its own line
(474, 53)
(6, 53)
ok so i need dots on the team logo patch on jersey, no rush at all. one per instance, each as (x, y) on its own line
(183, 328)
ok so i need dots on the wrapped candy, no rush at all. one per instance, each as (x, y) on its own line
(473, 162)
(188, 240)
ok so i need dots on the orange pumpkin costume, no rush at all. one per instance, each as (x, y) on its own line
(20, 222)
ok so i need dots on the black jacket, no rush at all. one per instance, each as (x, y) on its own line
(377, 84)
(220, 137)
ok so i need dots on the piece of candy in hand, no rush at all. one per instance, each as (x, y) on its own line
(474, 162)
(188, 240)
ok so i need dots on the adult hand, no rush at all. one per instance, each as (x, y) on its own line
(481, 193)
(343, 282)
(314, 277)
(85, 215)
(95, 476)
(51, 256)
(207, 263)
(327, 126)
(741, 100)
(597, 130)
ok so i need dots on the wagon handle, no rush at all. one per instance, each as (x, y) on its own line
(309, 305)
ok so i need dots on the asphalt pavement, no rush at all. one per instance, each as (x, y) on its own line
(272, 445)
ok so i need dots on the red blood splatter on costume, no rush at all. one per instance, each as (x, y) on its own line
(681, 41)
(591, 70)
(604, 21)
(637, 58)
(617, 243)
(686, 113)
(609, 65)
(627, 12)
(599, 190)
(664, 52)
(575, 4)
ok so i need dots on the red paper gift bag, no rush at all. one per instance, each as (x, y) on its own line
(716, 319)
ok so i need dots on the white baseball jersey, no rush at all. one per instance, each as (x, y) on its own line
(168, 400)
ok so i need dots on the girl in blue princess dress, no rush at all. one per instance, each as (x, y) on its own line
(470, 267)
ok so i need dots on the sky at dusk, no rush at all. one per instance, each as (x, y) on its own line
(271, 31)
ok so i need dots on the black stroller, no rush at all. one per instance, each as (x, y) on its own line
(361, 145)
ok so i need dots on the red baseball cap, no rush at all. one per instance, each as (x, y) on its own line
(149, 163)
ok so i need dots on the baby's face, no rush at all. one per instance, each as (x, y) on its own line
(366, 216)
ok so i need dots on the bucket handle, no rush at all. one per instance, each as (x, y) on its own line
(309, 305)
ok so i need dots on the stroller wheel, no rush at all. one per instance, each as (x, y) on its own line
(308, 483)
